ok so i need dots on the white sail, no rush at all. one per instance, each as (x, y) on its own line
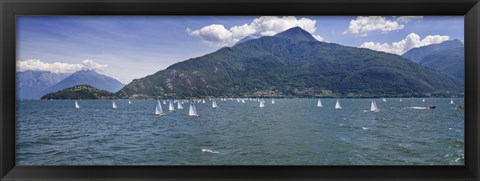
(400, 100)
(164, 102)
(423, 100)
(214, 104)
(203, 101)
(158, 109)
(129, 102)
(171, 107)
(337, 105)
(76, 105)
(262, 104)
(192, 111)
(114, 106)
(319, 103)
(179, 105)
(243, 101)
(373, 107)
(273, 101)
(451, 101)
(384, 100)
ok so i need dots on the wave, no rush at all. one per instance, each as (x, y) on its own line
(209, 151)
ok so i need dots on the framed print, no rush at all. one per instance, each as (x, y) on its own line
(239, 90)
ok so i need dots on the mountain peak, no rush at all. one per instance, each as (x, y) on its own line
(297, 34)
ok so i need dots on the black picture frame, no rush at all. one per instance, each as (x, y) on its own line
(9, 9)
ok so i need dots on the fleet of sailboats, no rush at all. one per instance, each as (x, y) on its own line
(193, 111)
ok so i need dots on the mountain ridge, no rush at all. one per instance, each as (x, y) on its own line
(447, 57)
(292, 64)
(91, 77)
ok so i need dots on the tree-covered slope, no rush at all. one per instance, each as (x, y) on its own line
(295, 66)
(80, 92)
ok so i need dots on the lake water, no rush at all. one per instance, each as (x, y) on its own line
(289, 132)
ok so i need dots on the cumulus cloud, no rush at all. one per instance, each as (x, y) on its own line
(58, 67)
(262, 26)
(411, 41)
(406, 19)
(365, 24)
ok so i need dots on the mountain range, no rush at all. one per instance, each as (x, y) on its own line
(447, 57)
(35, 84)
(292, 63)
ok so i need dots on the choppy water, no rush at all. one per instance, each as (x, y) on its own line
(289, 132)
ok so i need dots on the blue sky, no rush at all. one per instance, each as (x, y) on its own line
(129, 47)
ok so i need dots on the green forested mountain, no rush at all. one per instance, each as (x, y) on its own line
(80, 92)
(447, 57)
(292, 64)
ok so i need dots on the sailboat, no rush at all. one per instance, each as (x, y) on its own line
(193, 110)
(179, 105)
(76, 105)
(423, 100)
(158, 109)
(273, 101)
(451, 101)
(262, 104)
(373, 107)
(319, 103)
(171, 107)
(129, 102)
(114, 106)
(337, 105)
(384, 100)
(203, 101)
(214, 104)
(164, 102)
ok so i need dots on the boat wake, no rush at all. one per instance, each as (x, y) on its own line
(209, 151)
(418, 107)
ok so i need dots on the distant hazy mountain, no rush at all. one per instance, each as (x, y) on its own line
(447, 57)
(33, 84)
(292, 63)
(79, 92)
(416, 54)
(89, 77)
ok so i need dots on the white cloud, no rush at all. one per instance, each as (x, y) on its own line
(58, 67)
(364, 24)
(400, 47)
(262, 26)
(406, 19)
(318, 37)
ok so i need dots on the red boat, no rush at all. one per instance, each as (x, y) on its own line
(432, 107)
